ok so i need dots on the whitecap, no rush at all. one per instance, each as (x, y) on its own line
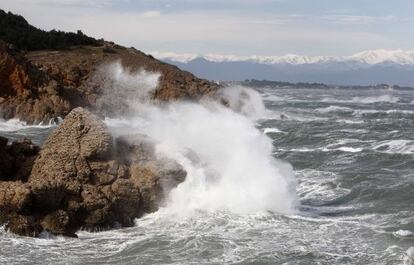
(16, 125)
(272, 130)
(333, 108)
(409, 256)
(350, 149)
(375, 99)
(395, 147)
(403, 233)
(366, 100)
(349, 121)
(361, 112)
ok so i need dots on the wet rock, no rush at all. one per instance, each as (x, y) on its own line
(16, 159)
(79, 140)
(154, 175)
(82, 179)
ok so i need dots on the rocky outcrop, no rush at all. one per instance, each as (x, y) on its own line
(83, 178)
(26, 92)
(42, 85)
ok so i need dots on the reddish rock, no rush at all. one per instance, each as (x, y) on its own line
(26, 92)
(43, 85)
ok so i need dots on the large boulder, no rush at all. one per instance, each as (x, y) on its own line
(154, 174)
(81, 179)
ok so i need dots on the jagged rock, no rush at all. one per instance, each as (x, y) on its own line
(79, 140)
(81, 179)
(28, 93)
(153, 175)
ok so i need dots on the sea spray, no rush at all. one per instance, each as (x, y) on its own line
(245, 101)
(229, 162)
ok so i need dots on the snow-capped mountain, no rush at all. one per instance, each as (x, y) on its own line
(364, 68)
(366, 57)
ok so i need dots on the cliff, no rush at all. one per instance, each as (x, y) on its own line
(39, 85)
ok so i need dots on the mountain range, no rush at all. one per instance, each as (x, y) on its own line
(364, 68)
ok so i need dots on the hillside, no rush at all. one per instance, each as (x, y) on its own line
(41, 84)
(16, 30)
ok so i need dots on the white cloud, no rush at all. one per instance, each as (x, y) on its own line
(150, 14)
(357, 19)
(205, 31)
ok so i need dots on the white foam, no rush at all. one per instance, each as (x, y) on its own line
(386, 98)
(403, 233)
(349, 121)
(272, 97)
(395, 147)
(245, 101)
(374, 111)
(376, 99)
(320, 185)
(409, 256)
(228, 160)
(334, 108)
(350, 149)
(323, 149)
(16, 125)
(272, 130)
(359, 131)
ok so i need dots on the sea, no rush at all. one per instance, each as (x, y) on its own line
(283, 176)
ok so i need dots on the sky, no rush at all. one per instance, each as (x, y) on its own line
(238, 27)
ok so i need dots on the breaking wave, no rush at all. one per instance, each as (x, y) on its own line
(16, 125)
(366, 100)
(395, 147)
(334, 109)
(228, 160)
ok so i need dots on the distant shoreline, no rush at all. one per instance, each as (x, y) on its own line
(304, 85)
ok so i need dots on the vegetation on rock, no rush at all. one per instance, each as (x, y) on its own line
(16, 30)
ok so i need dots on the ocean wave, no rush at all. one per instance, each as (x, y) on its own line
(290, 116)
(272, 130)
(403, 233)
(319, 185)
(366, 100)
(333, 108)
(376, 99)
(16, 125)
(395, 147)
(349, 149)
(362, 112)
(359, 131)
(349, 121)
(346, 149)
(271, 97)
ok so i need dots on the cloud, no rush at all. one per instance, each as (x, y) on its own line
(357, 19)
(211, 30)
(150, 14)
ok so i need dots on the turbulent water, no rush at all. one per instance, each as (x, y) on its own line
(345, 194)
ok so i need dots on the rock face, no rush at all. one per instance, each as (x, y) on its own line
(82, 179)
(41, 85)
(26, 92)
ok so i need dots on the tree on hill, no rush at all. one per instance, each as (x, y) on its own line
(16, 30)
